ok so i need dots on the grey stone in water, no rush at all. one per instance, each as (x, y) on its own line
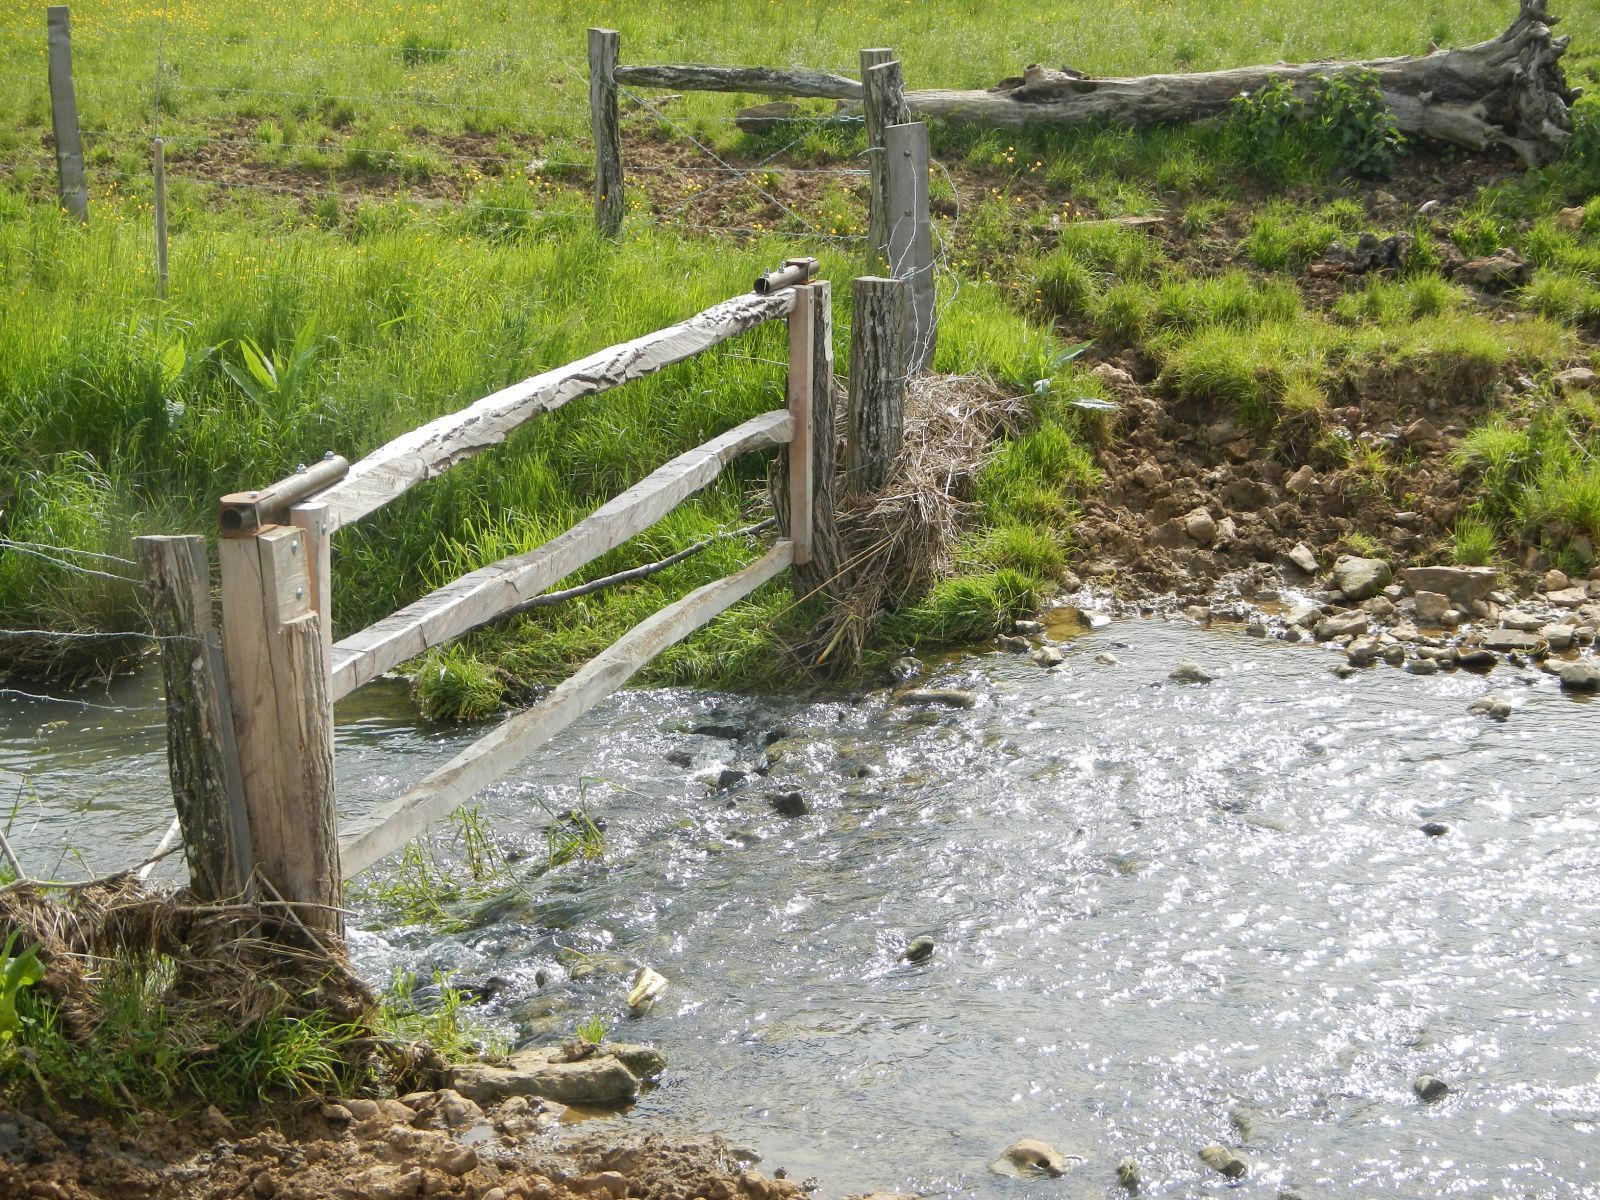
(728, 776)
(1302, 557)
(715, 729)
(1344, 670)
(1422, 666)
(789, 804)
(1559, 637)
(1031, 1157)
(1581, 676)
(1106, 659)
(680, 758)
(1491, 706)
(1255, 629)
(1345, 625)
(945, 697)
(1224, 1161)
(1016, 645)
(919, 949)
(1434, 829)
(1430, 1088)
(1188, 672)
(1028, 628)
(1048, 656)
(1363, 652)
(1513, 639)
(1360, 578)
(1477, 660)
(1128, 1174)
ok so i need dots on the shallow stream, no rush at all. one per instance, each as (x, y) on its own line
(1165, 914)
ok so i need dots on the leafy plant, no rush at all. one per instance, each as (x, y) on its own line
(1355, 124)
(591, 1029)
(17, 971)
(1266, 128)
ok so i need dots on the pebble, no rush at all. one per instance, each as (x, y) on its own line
(1302, 557)
(1047, 656)
(1188, 672)
(1430, 1088)
(919, 949)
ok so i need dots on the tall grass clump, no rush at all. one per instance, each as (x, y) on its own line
(1537, 478)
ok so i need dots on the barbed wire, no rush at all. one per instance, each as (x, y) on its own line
(7, 543)
(227, 90)
(432, 203)
(70, 566)
(99, 635)
(18, 694)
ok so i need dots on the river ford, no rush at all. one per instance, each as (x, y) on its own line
(1165, 914)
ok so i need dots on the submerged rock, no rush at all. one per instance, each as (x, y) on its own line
(945, 697)
(1031, 1157)
(919, 949)
(648, 987)
(1430, 1088)
(1491, 706)
(1189, 672)
(1048, 656)
(1434, 829)
(1224, 1161)
(1128, 1174)
(789, 804)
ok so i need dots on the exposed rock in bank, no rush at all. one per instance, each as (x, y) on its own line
(604, 1078)
(1360, 578)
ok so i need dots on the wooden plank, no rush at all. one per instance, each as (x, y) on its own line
(201, 757)
(911, 237)
(73, 178)
(604, 47)
(311, 518)
(876, 417)
(491, 591)
(801, 332)
(884, 104)
(431, 450)
(282, 717)
(760, 81)
(492, 757)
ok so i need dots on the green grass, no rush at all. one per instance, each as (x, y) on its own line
(1286, 236)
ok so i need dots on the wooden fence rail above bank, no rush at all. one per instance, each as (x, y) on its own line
(271, 757)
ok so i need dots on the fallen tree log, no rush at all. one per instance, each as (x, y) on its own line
(1509, 91)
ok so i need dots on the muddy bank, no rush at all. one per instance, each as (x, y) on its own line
(427, 1144)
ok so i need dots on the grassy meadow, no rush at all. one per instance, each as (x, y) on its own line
(384, 208)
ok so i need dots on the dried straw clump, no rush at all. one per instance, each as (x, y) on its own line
(231, 964)
(896, 542)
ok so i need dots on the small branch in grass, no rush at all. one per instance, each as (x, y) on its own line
(640, 572)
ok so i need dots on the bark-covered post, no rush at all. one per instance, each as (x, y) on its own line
(911, 237)
(73, 179)
(604, 48)
(282, 716)
(201, 756)
(883, 97)
(878, 349)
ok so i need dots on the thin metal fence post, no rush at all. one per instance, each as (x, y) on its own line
(73, 178)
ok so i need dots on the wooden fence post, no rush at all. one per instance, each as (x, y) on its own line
(878, 356)
(282, 717)
(802, 331)
(72, 177)
(201, 756)
(604, 48)
(883, 95)
(911, 237)
(159, 155)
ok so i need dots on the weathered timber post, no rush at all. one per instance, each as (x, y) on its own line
(802, 332)
(282, 717)
(911, 237)
(878, 352)
(201, 756)
(883, 95)
(73, 179)
(604, 48)
(159, 163)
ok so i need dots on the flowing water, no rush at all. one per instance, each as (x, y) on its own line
(1166, 916)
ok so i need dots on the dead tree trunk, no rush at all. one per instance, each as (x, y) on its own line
(1510, 91)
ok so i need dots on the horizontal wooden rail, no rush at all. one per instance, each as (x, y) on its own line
(427, 452)
(494, 590)
(762, 81)
(494, 756)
